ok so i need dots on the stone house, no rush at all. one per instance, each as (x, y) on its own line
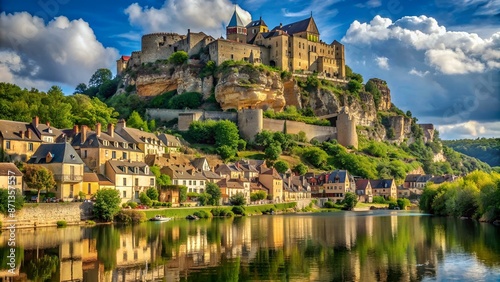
(229, 171)
(295, 188)
(172, 143)
(130, 178)
(68, 168)
(186, 176)
(90, 184)
(336, 184)
(270, 179)
(10, 177)
(97, 147)
(147, 142)
(364, 190)
(231, 187)
(385, 188)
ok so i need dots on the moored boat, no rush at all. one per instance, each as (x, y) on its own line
(160, 218)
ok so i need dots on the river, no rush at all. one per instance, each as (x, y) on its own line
(338, 246)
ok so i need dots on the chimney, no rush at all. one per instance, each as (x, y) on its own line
(121, 124)
(35, 121)
(83, 135)
(47, 123)
(76, 130)
(111, 129)
(281, 25)
(98, 129)
(28, 134)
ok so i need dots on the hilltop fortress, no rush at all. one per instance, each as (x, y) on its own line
(294, 47)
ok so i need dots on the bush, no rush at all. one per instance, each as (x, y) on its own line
(62, 223)
(145, 200)
(403, 203)
(238, 200)
(378, 200)
(178, 58)
(239, 210)
(258, 195)
(152, 193)
(133, 205)
(393, 205)
(329, 205)
(131, 216)
(281, 166)
(315, 156)
(107, 204)
(90, 222)
(202, 214)
(125, 205)
(191, 100)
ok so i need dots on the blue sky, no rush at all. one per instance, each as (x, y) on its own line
(440, 58)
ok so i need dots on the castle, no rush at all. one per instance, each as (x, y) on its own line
(295, 47)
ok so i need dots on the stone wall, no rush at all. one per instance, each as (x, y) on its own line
(48, 214)
(294, 127)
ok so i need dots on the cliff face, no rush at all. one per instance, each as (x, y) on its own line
(385, 94)
(244, 88)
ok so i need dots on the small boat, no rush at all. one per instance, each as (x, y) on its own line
(160, 218)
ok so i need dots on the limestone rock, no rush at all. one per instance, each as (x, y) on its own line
(385, 94)
(244, 88)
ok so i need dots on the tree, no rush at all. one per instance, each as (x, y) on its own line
(178, 58)
(135, 120)
(4, 200)
(43, 268)
(281, 166)
(107, 204)
(273, 151)
(403, 203)
(80, 88)
(237, 199)
(354, 86)
(257, 196)
(214, 191)
(39, 178)
(300, 169)
(162, 180)
(108, 88)
(350, 200)
(99, 77)
(315, 156)
(190, 100)
(226, 152)
(152, 193)
(182, 194)
(145, 200)
(226, 133)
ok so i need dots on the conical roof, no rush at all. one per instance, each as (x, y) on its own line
(236, 19)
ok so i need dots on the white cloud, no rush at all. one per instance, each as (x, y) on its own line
(209, 16)
(382, 62)
(35, 54)
(449, 52)
(470, 129)
(413, 71)
(370, 4)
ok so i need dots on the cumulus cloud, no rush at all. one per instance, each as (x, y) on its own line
(209, 16)
(382, 62)
(449, 52)
(470, 129)
(35, 54)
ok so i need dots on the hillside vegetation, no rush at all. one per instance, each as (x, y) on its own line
(485, 149)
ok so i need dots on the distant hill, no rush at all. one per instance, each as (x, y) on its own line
(484, 149)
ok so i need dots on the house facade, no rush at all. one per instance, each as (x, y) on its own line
(10, 177)
(385, 188)
(130, 178)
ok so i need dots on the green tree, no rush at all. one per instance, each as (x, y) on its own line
(162, 180)
(273, 151)
(237, 199)
(80, 88)
(226, 152)
(354, 86)
(4, 200)
(39, 178)
(190, 100)
(403, 203)
(107, 204)
(214, 191)
(178, 58)
(227, 133)
(135, 120)
(99, 77)
(350, 200)
(315, 156)
(281, 166)
(300, 169)
(145, 200)
(182, 194)
(89, 111)
(152, 193)
(55, 99)
(43, 268)
(258, 195)
(108, 88)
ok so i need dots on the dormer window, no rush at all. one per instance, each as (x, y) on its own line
(105, 142)
(136, 170)
(125, 145)
(146, 169)
(116, 144)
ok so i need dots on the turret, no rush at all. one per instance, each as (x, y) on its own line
(236, 30)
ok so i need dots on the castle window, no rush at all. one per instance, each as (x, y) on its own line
(232, 56)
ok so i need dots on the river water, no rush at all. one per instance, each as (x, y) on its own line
(337, 246)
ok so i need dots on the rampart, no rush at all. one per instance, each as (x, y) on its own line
(294, 127)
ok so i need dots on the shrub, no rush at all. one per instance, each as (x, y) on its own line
(152, 193)
(378, 200)
(281, 166)
(329, 205)
(315, 156)
(202, 214)
(90, 222)
(239, 210)
(61, 223)
(107, 204)
(237, 200)
(125, 205)
(393, 205)
(178, 58)
(145, 200)
(191, 100)
(130, 216)
(133, 205)
(403, 203)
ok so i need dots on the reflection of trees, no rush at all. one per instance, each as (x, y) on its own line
(4, 252)
(43, 268)
(108, 242)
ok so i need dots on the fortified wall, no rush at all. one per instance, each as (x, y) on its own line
(251, 121)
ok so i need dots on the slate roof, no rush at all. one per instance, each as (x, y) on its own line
(295, 27)
(412, 177)
(256, 23)
(198, 163)
(381, 183)
(337, 176)
(103, 180)
(9, 169)
(127, 167)
(210, 174)
(61, 153)
(10, 130)
(362, 184)
(236, 20)
(168, 138)
(230, 183)
(94, 141)
(182, 172)
(137, 136)
(424, 178)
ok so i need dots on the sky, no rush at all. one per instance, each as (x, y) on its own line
(440, 58)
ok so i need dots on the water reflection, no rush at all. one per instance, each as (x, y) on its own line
(344, 246)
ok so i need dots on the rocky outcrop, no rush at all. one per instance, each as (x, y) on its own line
(401, 127)
(166, 78)
(385, 94)
(248, 88)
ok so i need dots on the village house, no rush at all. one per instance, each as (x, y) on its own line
(10, 177)
(229, 171)
(295, 187)
(168, 159)
(147, 142)
(97, 147)
(20, 140)
(68, 168)
(270, 179)
(130, 178)
(186, 176)
(172, 143)
(336, 184)
(385, 188)
(231, 187)
(364, 190)
(90, 184)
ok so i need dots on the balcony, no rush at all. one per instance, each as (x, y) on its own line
(68, 178)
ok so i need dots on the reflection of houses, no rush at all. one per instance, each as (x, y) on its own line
(385, 188)
(20, 140)
(10, 177)
(189, 177)
(97, 147)
(364, 190)
(130, 178)
(65, 164)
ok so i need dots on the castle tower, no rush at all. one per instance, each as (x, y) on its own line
(236, 30)
(250, 122)
(254, 28)
(346, 129)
